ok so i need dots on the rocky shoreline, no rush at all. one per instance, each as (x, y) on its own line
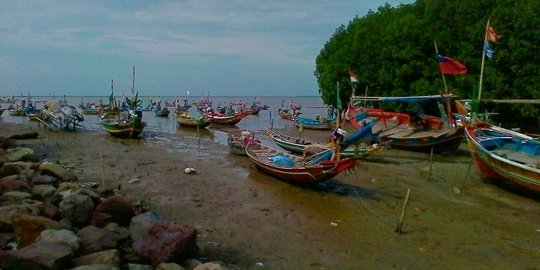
(48, 220)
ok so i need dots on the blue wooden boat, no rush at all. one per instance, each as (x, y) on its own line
(320, 124)
(504, 154)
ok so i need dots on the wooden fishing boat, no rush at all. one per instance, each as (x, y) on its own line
(318, 124)
(185, 120)
(130, 126)
(237, 144)
(412, 130)
(294, 169)
(89, 108)
(162, 112)
(60, 116)
(306, 147)
(224, 119)
(504, 154)
(16, 112)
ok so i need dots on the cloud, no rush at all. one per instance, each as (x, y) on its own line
(240, 34)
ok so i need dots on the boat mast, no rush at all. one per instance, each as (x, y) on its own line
(133, 85)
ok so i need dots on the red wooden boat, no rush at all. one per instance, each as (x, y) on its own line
(294, 169)
(412, 131)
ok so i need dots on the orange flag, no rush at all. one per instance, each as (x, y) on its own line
(492, 35)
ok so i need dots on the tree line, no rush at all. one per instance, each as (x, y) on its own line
(392, 50)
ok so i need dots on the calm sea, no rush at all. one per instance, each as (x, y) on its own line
(167, 126)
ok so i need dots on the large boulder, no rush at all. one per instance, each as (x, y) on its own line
(28, 227)
(19, 154)
(77, 208)
(13, 183)
(39, 255)
(11, 168)
(115, 209)
(166, 242)
(96, 239)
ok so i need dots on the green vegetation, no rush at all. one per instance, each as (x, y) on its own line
(392, 51)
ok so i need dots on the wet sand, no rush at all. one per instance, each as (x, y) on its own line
(252, 221)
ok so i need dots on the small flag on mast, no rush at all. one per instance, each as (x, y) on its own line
(491, 35)
(451, 66)
(354, 78)
(488, 51)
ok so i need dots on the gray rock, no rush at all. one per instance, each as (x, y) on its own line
(56, 170)
(19, 154)
(14, 196)
(43, 179)
(40, 255)
(96, 239)
(77, 208)
(64, 236)
(95, 267)
(209, 266)
(143, 222)
(109, 257)
(134, 266)
(169, 266)
(44, 192)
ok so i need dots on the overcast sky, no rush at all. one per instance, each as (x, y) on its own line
(225, 48)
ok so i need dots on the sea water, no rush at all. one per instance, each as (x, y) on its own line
(161, 128)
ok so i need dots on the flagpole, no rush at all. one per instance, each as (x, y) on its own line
(482, 66)
(442, 74)
(338, 120)
(365, 96)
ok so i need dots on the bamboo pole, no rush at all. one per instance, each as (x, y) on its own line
(102, 170)
(400, 223)
(431, 164)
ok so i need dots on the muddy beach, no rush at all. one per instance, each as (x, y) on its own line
(248, 220)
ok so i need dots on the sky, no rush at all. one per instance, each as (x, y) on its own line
(221, 48)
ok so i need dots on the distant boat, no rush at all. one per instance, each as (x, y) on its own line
(318, 124)
(130, 126)
(504, 154)
(90, 108)
(224, 119)
(185, 120)
(162, 112)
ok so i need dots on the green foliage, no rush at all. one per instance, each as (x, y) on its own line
(392, 51)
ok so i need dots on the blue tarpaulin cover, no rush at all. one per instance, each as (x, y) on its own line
(281, 160)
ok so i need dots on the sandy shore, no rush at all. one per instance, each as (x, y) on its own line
(252, 221)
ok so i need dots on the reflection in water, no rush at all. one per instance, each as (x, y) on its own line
(194, 132)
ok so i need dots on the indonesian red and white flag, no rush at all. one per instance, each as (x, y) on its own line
(354, 78)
